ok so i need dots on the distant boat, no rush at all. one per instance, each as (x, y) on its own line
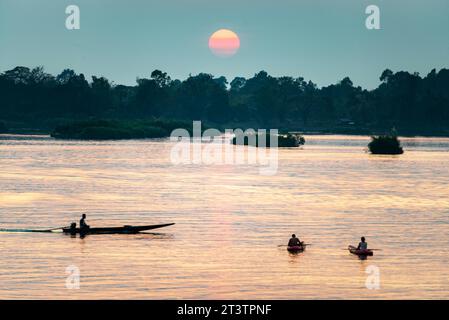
(265, 139)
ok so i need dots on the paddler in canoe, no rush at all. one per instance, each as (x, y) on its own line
(361, 249)
(363, 245)
(294, 241)
(294, 244)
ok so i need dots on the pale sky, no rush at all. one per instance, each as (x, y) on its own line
(322, 41)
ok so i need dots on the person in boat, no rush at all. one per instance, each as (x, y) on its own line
(83, 224)
(363, 245)
(294, 241)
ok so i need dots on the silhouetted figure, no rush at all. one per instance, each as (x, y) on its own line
(83, 224)
(294, 242)
(73, 228)
(362, 245)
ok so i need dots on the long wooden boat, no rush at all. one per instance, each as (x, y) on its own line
(115, 230)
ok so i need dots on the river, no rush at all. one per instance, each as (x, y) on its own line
(230, 220)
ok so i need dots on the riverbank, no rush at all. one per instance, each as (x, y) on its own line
(135, 129)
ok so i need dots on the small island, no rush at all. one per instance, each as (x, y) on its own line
(385, 144)
(255, 140)
(118, 130)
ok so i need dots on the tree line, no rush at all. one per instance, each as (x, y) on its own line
(407, 101)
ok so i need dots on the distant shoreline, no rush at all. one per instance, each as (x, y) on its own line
(39, 102)
(311, 132)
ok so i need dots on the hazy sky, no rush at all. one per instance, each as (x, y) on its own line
(323, 41)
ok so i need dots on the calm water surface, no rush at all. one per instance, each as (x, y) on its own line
(229, 221)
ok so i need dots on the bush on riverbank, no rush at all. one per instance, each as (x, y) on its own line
(116, 130)
(385, 144)
(257, 140)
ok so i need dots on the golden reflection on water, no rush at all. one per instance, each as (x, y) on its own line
(230, 221)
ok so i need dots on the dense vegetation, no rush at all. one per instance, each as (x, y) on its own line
(118, 129)
(264, 140)
(103, 130)
(3, 128)
(32, 98)
(386, 144)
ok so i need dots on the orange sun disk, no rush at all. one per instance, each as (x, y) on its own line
(224, 43)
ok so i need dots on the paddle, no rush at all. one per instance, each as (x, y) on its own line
(367, 249)
(285, 245)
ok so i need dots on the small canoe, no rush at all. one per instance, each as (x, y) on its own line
(296, 249)
(115, 230)
(355, 251)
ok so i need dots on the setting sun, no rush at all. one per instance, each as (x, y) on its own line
(224, 43)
